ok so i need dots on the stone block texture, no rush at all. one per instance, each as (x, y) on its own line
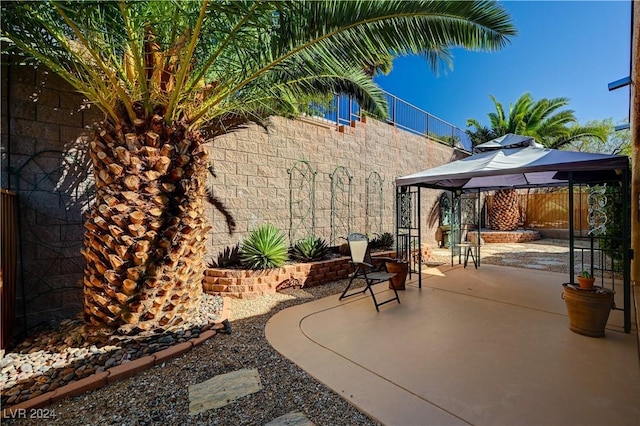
(45, 161)
(266, 196)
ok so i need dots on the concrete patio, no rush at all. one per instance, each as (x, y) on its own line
(489, 346)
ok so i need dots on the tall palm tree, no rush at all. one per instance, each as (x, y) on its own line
(542, 119)
(170, 74)
(547, 123)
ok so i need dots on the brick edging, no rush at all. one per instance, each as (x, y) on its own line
(116, 373)
(494, 237)
(245, 283)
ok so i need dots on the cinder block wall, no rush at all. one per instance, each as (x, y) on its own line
(45, 161)
(45, 132)
(253, 183)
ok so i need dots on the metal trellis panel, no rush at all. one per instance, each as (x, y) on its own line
(302, 200)
(341, 203)
(375, 203)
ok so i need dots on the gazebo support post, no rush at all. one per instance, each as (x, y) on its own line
(419, 238)
(406, 228)
(478, 216)
(572, 260)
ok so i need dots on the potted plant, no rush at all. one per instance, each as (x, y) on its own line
(586, 280)
(588, 310)
(401, 269)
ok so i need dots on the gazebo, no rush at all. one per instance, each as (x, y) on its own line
(514, 161)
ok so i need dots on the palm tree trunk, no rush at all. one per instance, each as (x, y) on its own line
(145, 239)
(505, 210)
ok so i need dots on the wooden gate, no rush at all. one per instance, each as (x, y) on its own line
(8, 263)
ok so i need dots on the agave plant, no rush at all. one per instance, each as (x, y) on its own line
(383, 241)
(309, 248)
(264, 248)
(229, 257)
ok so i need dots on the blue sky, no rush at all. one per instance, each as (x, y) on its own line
(567, 49)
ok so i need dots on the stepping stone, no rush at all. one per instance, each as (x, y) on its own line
(294, 418)
(223, 389)
(534, 266)
(548, 262)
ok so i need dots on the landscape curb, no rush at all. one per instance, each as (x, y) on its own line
(114, 374)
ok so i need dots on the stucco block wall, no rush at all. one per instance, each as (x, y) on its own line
(44, 160)
(252, 179)
(45, 132)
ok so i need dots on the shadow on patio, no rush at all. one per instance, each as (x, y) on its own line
(486, 346)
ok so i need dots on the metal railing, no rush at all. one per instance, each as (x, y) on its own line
(343, 110)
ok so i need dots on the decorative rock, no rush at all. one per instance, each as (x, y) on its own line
(7, 369)
(68, 351)
(166, 340)
(13, 392)
(36, 393)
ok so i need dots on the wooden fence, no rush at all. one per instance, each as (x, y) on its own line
(551, 210)
(8, 263)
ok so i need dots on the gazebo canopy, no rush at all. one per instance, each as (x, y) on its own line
(513, 161)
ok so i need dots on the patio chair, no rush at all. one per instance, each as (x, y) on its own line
(466, 249)
(365, 269)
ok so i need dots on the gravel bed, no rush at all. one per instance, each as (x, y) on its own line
(547, 254)
(59, 353)
(159, 396)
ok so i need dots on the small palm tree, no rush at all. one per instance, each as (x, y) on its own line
(542, 119)
(170, 74)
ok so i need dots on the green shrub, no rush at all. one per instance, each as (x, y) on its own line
(264, 248)
(383, 241)
(309, 248)
(229, 257)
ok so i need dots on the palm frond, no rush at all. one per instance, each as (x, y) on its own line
(206, 61)
(542, 119)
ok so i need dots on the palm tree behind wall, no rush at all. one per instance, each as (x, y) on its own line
(169, 75)
(547, 123)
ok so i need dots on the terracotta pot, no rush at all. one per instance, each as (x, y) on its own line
(588, 310)
(401, 269)
(586, 283)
